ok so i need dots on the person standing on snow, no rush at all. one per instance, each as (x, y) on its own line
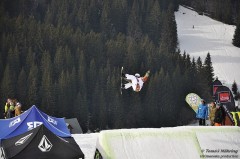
(202, 112)
(7, 107)
(218, 116)
(212, 110)
(10, 111)
(135, 81)
(18, 109)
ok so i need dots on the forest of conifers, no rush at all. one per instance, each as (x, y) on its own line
(65, 57)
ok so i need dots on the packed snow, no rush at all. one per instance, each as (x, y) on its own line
(199, 34)
(87, 143)
(186, 142)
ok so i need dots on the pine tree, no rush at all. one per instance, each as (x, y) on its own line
(153, 23)
(59, 61)
(94, 15)
(8, 84)
(236, 36)
(91, 77)
(105, 21)
(33, 86)
(47, 89)
(30, 60)
(227, 12)
(82, 16)
(202, 79)
(82, 76)
(1, 67)
(208, 69)
(179, 85)
(168, 101)
(21, 87)
(193, 73)
(118, 113)
(116, 50)
(118, 15)
(132, 56)
(235, 90)
(168, 42)
(134, 22)
(99, 108)
(80, 108)
(152, 102)
(64, 104)
(13, 60)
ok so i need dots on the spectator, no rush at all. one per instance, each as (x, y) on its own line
(212, 110)
(7, 105)
(218, 116)
(18, 109)
(202, 112)
(10, 110)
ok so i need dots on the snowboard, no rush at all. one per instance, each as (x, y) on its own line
(193, 101)
(121, 79)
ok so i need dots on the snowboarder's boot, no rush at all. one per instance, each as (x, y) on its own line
(122, 86)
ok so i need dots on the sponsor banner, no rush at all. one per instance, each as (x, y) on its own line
(45, 145)
(224, 97)
(22, 140)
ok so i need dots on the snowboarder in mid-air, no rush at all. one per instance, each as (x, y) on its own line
(134, 81)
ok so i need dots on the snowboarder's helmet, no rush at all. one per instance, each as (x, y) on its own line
(137, 75)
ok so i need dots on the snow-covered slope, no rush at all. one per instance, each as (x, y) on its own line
(87, 143)
(199, 34)
(186, 142)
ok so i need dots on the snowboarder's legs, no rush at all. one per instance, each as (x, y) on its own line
(130, 77)
(127, 85)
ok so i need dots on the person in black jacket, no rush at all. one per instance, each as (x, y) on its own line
(218, 116)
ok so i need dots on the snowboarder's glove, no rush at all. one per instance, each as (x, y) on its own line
(148, 71)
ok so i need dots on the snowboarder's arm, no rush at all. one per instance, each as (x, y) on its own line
(145, 78)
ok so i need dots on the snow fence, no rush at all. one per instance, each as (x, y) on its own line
(186, 142)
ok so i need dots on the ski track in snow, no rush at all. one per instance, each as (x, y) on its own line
(211, 36)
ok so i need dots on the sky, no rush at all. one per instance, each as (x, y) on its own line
(199, 34)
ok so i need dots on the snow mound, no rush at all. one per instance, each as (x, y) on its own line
(87, 143)
(186, 142)
(199, 34)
